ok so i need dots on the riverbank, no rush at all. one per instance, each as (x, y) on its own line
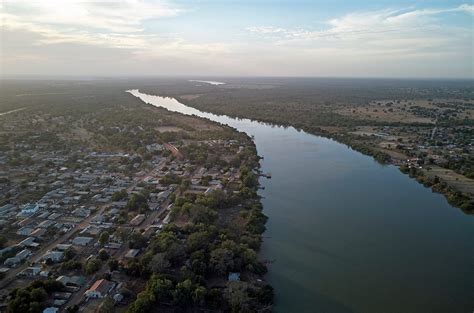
(398, 132)
(412, 166)
(326, 257)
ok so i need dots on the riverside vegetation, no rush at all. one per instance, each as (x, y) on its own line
(425, 126)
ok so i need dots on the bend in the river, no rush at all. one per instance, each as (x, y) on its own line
(350, 235)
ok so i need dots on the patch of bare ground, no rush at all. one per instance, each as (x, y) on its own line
(332, 129)
(375, 113)
(409, 111)
(198, 123)
(458, 181)
(163, 129)
(394, 154)
(189, 97)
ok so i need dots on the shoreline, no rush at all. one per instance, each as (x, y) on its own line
(247, 203)
(454, 197)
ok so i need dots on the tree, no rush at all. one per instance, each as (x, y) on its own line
(38, 295)
(107, 306)
(143, 303)
(199, 295)
(119, 195)
(113, 265)
(69, 254)
(161, 288)
(104, 238)
(183, 293)
(238, 297)
(159, 263)
(72, 309)
(92, 266)
(198, 240)
(136, 202)
(250, 180)
(265, 295)
(103, 255)
(134, 268)
(3, 241)
(137, 241)
(222, 260)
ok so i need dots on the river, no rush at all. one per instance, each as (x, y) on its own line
(350, 235)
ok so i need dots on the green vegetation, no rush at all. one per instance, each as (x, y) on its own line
(453, 196)
(92, 266)
(32, 298)
(188, 263)
(336, 108)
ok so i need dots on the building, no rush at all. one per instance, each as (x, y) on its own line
(29, 209)
(54, 256)
(118, 297)
(38, 232)
(137, 220)
(18, 258)
(75, 281)
(28, 242)
(132, 253)
(234, 276)
(46, 224)
(25, 231)
(82, 241)
(81, 212)
(31, 271)
(54, 216)
(99, 289)
(62, 246)
(91, 230)
(6, 209)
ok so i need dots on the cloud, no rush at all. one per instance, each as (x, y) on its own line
(389, 26)
(402, 42)
(106, 23)
(104, 15)
(98, 35)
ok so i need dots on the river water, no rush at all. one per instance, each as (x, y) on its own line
(350, 235)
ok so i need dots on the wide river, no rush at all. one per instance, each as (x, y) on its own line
(350, 235)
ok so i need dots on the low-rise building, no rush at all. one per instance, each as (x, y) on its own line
(82, 241)
(38, 232)
(18, 258)
(54, 256)
(62, 247)
(28, 210)
(132, 253)
(99, 289)
(137, 220)
(25, 231)
(46, 224)
(28, 242)
(31, 271)
(51, 310)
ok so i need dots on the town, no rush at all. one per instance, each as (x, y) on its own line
(77, 222)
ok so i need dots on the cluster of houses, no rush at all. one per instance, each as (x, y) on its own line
(424, 145)
(78, 206)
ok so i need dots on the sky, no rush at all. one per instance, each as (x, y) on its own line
(366, 38)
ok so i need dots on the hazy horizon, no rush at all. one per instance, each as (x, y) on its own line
(321, 39)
